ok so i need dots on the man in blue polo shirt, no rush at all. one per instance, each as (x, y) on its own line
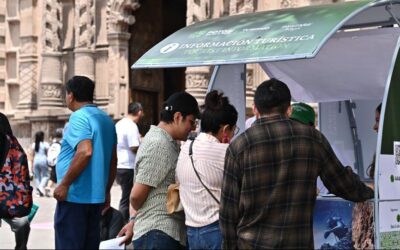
(85, 169)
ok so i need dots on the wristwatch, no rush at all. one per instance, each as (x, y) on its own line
(132, 218)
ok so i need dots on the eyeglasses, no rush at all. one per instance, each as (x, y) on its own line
(194, 123)
(236, 131)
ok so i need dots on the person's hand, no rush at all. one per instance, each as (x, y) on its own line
(61, 192)
(104, 210)
(127, 230)
(107, 202)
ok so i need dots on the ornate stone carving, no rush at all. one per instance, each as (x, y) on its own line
(241, 6)
(28, 72)
(50, 94)
(84, 27)
(249, 86)
(118, 80)
(28, 45)
(249, 78)
(197, 79)
(51, 91)
(198, 10)
(119, 14)
(51, 81)
(289, 3)
(52, 25)
(27, 91)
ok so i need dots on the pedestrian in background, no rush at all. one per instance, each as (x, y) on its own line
(40, 168)
(268, 191)
(155, 167)
(128, 144)
(375, 127)
(52, 157)
(86, 169)
(200, 192)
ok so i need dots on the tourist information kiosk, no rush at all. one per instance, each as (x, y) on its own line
(344, 56)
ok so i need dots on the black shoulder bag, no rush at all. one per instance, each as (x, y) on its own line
(197, 174)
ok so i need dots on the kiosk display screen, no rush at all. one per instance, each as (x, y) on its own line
(333, 224)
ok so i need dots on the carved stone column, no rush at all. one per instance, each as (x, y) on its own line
(289, 3)
(240, 7)
(84, 38)
(119, 17)
(197, 78)
(28, 58)
(50, 94)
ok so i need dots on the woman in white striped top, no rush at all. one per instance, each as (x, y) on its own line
(201, 206)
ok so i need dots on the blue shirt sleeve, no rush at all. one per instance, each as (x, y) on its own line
(79, 129)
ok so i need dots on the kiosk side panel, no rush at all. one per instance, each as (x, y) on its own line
(388, 166)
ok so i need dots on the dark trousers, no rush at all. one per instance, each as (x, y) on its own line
(156, 239)
(21, 228)
(77, 226)
(125, 180)
(21, 237)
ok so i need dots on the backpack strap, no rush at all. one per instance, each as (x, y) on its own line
(4, 150)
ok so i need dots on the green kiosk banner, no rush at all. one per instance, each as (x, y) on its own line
(263, 36)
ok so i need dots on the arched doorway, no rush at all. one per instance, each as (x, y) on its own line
(155, 20)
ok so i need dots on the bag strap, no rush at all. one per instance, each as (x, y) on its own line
(197, 174)
(4, 150)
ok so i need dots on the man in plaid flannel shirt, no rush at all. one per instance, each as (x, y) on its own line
(269, 186)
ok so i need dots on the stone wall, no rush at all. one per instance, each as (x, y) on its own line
(43, 43)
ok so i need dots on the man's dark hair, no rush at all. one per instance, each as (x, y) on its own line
(272, 96)
(134, 108)
(182, 102)
(217, 112)
(5, 127)
(58, 134)
(81, 87)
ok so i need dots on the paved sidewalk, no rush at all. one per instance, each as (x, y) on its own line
(42, 232)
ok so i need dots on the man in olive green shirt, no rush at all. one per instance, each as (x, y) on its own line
(153, 227)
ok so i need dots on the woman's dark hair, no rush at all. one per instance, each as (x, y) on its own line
(182, 102)
(81, 87)
(379, 108)
(217, 111)
(5, 127)
(371, 167)
(39, 137)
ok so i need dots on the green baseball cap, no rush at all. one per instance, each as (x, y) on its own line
(303, 113)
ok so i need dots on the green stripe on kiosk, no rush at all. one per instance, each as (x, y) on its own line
(343, 56)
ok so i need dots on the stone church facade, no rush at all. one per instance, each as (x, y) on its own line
(43, 43)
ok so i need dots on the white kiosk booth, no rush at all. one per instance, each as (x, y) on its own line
(344, 56)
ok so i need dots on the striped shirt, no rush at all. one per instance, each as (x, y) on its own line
(268, 191)
(208, 157)
(155, 167)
